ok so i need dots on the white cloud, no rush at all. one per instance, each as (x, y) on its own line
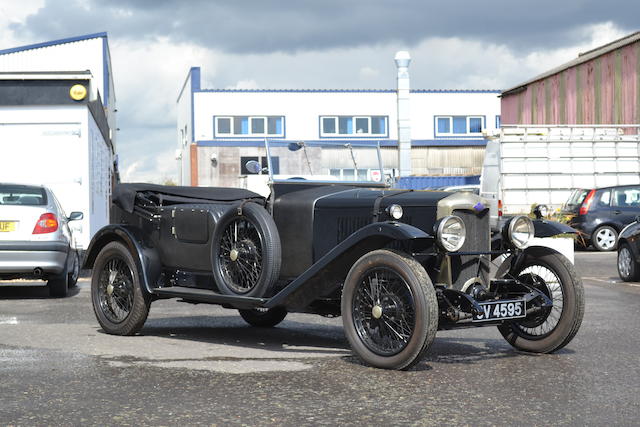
(244, 84)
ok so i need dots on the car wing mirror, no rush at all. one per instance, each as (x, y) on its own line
(295, 146)
(253, 166)
(74, 216)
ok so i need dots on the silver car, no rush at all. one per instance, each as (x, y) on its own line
(35, 239)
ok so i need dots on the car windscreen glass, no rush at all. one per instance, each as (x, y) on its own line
(340, 162)
(576, 198)
(21, 195)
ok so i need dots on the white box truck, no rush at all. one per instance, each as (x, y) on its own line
(62, 148)
(540, 164)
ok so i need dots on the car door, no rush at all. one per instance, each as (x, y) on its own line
(625, 205)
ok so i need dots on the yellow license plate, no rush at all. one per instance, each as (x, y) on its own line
(7, 226)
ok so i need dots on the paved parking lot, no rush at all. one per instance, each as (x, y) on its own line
(200, 364)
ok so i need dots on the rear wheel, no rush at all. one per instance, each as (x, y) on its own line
(262, 317)
(604, 238)
(245, 254)
(389, 310)
(74, 273)
(119, 302)
(627, 266)
(552, 328)
(59, 285)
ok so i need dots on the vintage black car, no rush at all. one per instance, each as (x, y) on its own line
(396, 264)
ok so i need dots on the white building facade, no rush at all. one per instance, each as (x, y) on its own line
(57, 123)
(220, 129)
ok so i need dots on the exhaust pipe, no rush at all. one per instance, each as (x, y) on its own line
(37, 272)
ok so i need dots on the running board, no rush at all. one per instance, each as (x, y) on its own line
(209, 297)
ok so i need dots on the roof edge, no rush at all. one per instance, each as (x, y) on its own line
(351, 90)
(53, 43)
(580, 59)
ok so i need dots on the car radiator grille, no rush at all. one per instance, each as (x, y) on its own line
(478, 239)
(347, 225)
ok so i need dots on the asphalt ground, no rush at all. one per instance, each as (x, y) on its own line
(201, 364)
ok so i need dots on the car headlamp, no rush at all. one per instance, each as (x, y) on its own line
(451, 233)
(395, 211)
(520, 231)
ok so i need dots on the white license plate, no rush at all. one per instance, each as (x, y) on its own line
(500, 310)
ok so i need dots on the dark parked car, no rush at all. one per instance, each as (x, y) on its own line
(396, 264)
(599, 214)
(629, 252)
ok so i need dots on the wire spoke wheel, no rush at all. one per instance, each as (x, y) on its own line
(245, 251)
(547, 329)
(240, 256)
(540, 324)
(115, 290)
(389, 309)
(383, 311)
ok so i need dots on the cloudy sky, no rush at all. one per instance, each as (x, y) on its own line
(346, 44)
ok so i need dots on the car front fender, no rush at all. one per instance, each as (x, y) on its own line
(148, 263)
(545, 228)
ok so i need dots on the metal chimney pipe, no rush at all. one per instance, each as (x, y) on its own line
(404, 120)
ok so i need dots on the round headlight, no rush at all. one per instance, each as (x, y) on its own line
(520, 231)
(395, 211)
(451, 233)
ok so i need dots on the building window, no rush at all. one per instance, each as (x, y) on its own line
(249, 126)
(275, 163)
(357, 126)
(350, 174)
(497, 122)
(459, 125)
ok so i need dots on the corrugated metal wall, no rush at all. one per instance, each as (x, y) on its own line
(604, 90)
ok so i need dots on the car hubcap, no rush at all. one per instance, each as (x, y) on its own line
(624, 262)
(115, 290)
(384, 311)
(376, 312)
(606, 239)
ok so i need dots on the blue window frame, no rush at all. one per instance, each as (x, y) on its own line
(355, 126)
(444, 125)
(459, 124)
(475, 125)
(248, 126)
(447, 126)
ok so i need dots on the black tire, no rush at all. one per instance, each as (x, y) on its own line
(74, 272)
(549, 331)
(627, 266)
(263, 318)
(119, 302)
(395, 328)
(59, 284)
(605, 238)
(245, 252)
